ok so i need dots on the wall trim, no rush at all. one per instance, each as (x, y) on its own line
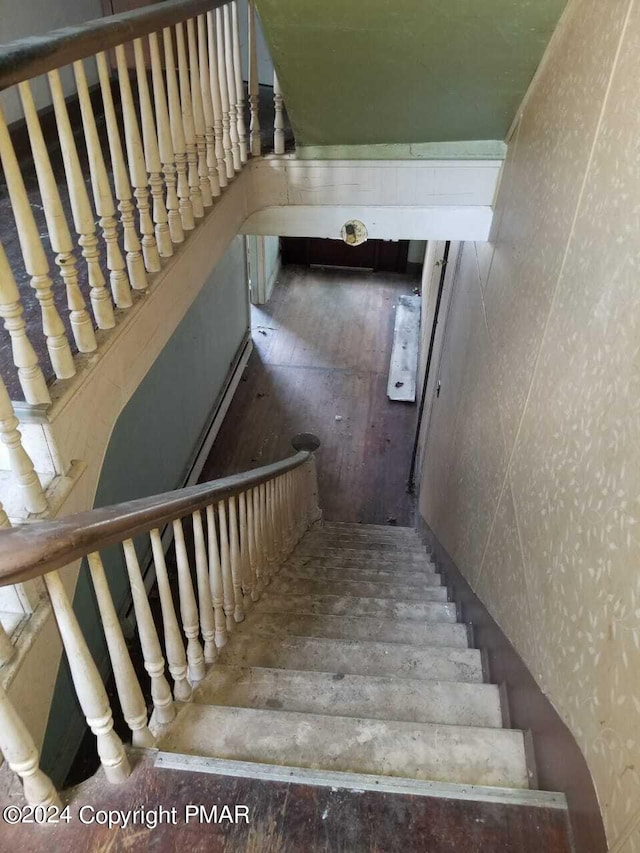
(559, 762)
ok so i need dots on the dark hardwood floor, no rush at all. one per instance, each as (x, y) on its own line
(286, 818)
(322, 348)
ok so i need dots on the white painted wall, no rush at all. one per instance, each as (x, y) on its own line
(35, 17)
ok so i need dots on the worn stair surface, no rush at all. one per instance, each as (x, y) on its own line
(353, 661)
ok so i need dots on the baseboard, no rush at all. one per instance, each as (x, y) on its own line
(559, 762)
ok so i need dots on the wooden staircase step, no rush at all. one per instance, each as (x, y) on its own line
(358, 657)
(377, 697)
(339, 573)
(462, 754)
(389, 551)
(390, 530)
(407, 592)
(375, 561)
(346, 605)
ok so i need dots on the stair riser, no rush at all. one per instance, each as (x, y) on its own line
(353, 696)
(386, 530)
(366, 563)
(335, 605)
(363, 542)
(389, 552)
(419, 580)
(343, 656)
(284, 586)
(437, 634)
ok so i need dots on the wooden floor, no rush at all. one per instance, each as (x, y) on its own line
(287, 818)
(320, 365)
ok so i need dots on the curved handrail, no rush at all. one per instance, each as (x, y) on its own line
(26, 58)
(34, 549)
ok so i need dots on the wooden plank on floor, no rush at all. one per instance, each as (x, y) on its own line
(403, 366)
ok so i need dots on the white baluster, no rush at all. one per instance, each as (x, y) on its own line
(265, 537)
(188, 607)
(152, 155)
(137, 168)
(225, 566)
(132, 702)
(35, 260)
(216, 100)
(207, 106)
(198, 115)
(132, 247)
(24, 356)
(215, 580)
(177, 133)
(188, 125)
(278, 120)
(164, 708)
(236, 565)
(86, 679)
(250, 556)
(248, 587)
(231, 88)
(256, 540)
(207, 621)
(239, 83)
(21, 754)
(7, 650)
(254, 83)
(20, 463)
(102, 196)
(59, 234)
(224, 96)
(176, 657)
(165, 143)
(83, 218)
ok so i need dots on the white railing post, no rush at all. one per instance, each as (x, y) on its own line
(239, 82)
(216, 99)
(176, 657)
(225, 565)
(188, 607)
(231, 88)
(21, 753)
(188, 125)
(88, 685)
(278, 121)
(236, 565)
(198, 117)
(33, 496)
(254, 83)
(24, 357)
(215, 580)
(224, 96)
(132, 701)
(207, 106)
(207, 619)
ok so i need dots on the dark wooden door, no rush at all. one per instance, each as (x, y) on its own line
(378, 255)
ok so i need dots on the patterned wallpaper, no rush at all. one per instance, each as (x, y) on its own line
(536, 489)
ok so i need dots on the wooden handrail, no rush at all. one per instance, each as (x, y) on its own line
(28, 57)
(34, 549)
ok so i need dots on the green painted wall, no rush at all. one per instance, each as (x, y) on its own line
(405, 71)
(150, 451)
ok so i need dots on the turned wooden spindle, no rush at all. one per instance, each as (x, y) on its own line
(177, 133)
(165, 142)
(164, 709)
(83, 217)
(224, 96)
(225, 566)
(216, 99)
(205, 605)
(22, 756)
(122, 185)
(231, 87)
(23, 354)
(136, 164)
(102, 196)
(215, 580)
(207, 106)
(89, 688)
(248, 587)
(254, 83)
(188, 607)
(32, 494)
(173, 644)
(152, 155)
(257, 541)
(264, 534)
(132, 702)
(250, 556)
(278, 120)
(234, 556)
(57, 228)
(188, 125)
(198, 115)
(35, 259)
(239, 83)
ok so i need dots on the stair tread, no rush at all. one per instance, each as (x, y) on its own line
(359, 657)
(389, 552)
(465, 754)
(391, 529)
(301, 568)
(380, 697)
(359, 588)
(352, 605)
(448, 634)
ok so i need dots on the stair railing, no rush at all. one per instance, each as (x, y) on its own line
(243, 527)
(170, 90)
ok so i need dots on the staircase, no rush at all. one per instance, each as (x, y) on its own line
(353, 661)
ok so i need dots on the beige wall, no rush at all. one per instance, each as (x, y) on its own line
(532, 472)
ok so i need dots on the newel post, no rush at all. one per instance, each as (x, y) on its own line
(309, 442)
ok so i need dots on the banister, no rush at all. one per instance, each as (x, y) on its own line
(28, 57)
(34, 549)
